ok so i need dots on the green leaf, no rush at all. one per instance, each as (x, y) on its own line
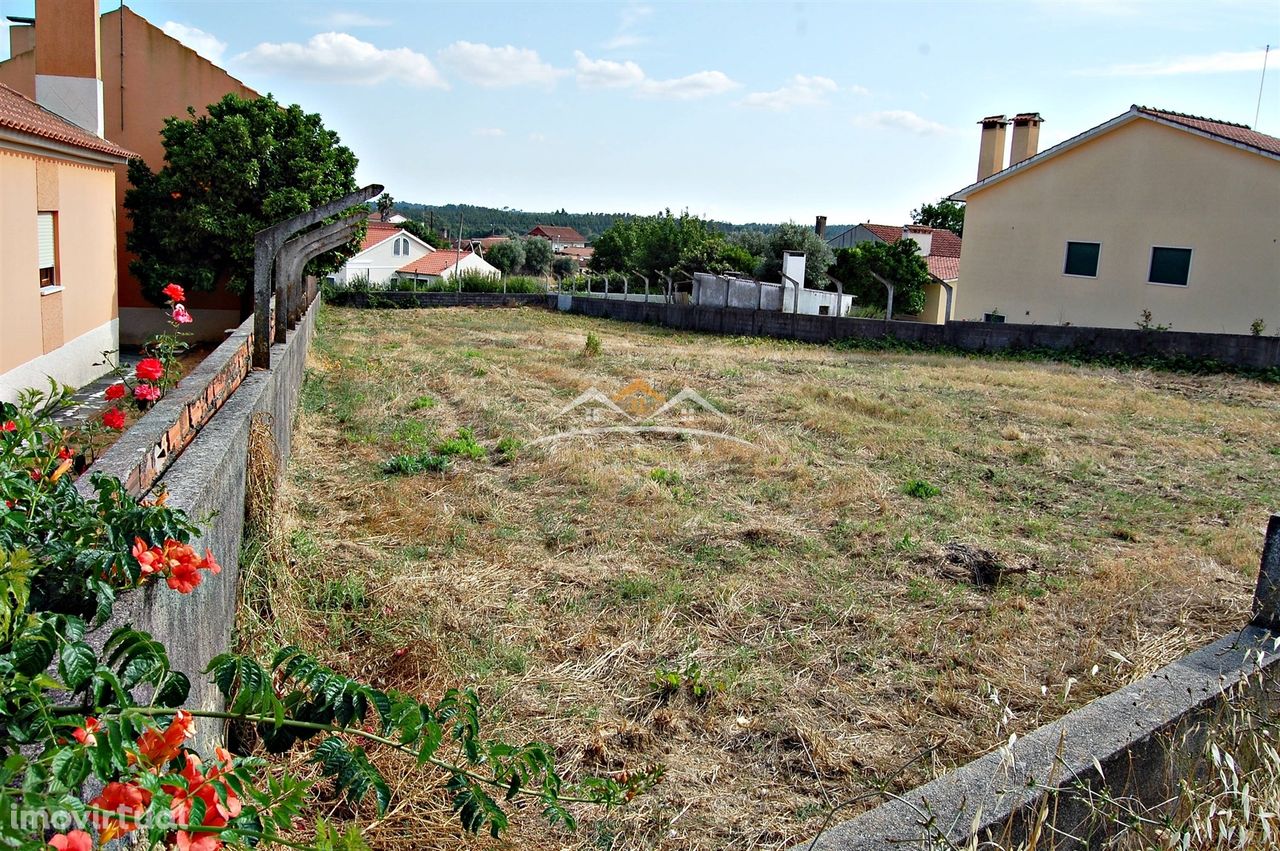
(76, 664)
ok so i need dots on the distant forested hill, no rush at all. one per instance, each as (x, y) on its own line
(486, 221)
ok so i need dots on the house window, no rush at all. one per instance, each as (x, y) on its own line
(46, 242)
(1082, 259)
(395, 248)
(1170, 266)
(996, 318)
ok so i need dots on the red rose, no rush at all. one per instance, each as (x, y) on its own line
(9, 425)
(175, 292)
(113, 418)
(149, 369)
(115, 391)
(146, 392)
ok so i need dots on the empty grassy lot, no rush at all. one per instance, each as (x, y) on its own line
(778, 623)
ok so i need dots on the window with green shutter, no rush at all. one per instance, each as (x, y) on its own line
(1170, 266)
(1082, 259)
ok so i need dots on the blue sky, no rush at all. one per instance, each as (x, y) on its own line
(741, 111)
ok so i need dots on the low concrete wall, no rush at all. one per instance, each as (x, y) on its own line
(207, 480)
(1138, 742)
(1231, 350)
(394, 298)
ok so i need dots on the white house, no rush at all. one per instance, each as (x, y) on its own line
(386, 248)
(442, 265)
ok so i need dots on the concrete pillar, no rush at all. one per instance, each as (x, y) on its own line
(1266, 598)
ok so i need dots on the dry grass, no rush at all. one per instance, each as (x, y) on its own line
(778, 624)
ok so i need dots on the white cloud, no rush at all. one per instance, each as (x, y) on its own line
(629, 18)
(343, 58)
(902, 119)
(537, 137)
(491, 132)
(1206, 63)
(207, 45)
(350, 20)
(605, 74)
(496, 67)
(623, 40)
(800, 91)
(700, 85)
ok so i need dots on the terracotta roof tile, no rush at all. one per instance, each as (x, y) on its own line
(944, 242)
(580, 253)
(555, 232)
(946, 268)
(377, 232)
(19, 112)
(1222, 129)
(434, 263)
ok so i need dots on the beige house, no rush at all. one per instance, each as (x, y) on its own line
(1151, 211)
(57, 229)
(143, 77)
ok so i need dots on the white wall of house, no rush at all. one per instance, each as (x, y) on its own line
(380, 262)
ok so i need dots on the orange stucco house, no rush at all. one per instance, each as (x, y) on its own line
(145, 77)
(57, 243)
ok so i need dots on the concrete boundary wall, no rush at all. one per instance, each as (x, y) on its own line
(1233, 350)
(396, 298)
(208, 482)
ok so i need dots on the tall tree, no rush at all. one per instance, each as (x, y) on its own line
(898, 262)
(507, 257)
(245, 165)
(538, 254)
(386, 205)
(944, 214)
(794, 237)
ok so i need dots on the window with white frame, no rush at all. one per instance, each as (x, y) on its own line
(47, 248)
(1082, 259)
(1171, 266)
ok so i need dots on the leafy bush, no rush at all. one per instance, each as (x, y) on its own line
(591, 348)
(423, 462)
(464, 444)
(921, 489)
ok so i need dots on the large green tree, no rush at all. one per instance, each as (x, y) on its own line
(245, 165)
(944, 214)
(898, 263)
(538, 255)
(507, 257)
(794, 237)
(665, 244)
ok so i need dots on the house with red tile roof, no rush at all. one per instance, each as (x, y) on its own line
(1153, 216)
(561, 237)
(939, 246)
(58, 276)
(385, 249)
(445, 264)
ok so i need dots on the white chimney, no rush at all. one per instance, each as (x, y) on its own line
(69, 61)
(923, 238)
(793, 268)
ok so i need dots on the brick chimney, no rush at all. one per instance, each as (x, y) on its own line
(1026, 136)
(69, 61)
(991, 151)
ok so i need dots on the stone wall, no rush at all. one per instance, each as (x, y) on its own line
(207, 480)
(395, 298)
(1233, 350)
